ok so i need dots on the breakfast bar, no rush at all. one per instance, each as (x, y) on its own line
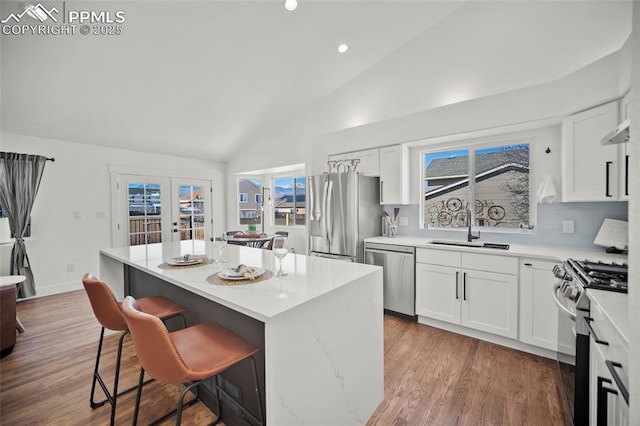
(319, 328)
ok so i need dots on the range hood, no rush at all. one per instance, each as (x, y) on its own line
(619, 135)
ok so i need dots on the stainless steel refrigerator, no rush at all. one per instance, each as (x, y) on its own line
(342, 210)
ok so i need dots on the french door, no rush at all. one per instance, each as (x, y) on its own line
(156, 209)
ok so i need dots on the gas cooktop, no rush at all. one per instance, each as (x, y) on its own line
(601, 276)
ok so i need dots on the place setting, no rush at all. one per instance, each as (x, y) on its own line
(244, 274)
(186, 261)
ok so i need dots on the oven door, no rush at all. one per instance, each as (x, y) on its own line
(566, 350)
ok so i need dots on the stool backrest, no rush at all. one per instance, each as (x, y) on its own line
(104, 304)
(154, 347)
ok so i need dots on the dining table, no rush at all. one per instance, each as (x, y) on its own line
(250, 240)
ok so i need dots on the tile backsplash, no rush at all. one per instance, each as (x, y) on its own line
(587, 218)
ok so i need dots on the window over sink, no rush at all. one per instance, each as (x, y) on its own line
(490, 181)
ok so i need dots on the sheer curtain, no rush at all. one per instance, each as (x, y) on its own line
(20, 176)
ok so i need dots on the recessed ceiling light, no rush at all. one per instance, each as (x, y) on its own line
(343, 48)
(291, 5)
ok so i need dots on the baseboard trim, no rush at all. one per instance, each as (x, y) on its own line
(488, 337)
(55, 289)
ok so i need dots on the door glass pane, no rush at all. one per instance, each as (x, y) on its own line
(191, 200)
(249, 201)
(145, 225)
(502, 186)
(446, 188)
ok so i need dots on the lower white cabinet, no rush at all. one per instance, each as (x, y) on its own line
(484, 300)
(538, 311)
(607, 407)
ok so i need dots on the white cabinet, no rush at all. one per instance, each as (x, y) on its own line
(394, 175)
(624, 151)
(590, 170)
(369, 161)
(606, 403)
(477, 291)
(539, 316)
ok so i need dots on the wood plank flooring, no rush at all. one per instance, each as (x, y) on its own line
(432, 377)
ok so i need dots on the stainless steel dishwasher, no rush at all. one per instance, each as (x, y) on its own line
(398, 263)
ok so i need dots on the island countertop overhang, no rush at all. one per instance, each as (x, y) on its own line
(308, 278)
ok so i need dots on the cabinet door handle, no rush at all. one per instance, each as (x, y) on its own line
(457, 281)
(464, 286)
(608, 165)
(612, 365)
(381, 192)
(587, 321)
(602, 402)
(626, 174)
(528, 264)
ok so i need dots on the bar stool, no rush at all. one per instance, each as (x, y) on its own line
(189, 356)
(108, 312)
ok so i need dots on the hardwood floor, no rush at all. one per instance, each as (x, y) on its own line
(432, 377)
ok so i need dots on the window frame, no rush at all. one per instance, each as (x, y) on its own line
(295, 174)
(238, 209)
(472, 146)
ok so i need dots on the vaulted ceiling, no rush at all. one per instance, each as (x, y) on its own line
(201, 79)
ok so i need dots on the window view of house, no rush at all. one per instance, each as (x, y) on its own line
(145, 222)
(491, 182)
(249, 207)
(289, 201)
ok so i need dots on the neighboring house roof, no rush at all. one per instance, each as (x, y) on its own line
(479, 178)
(441, 168)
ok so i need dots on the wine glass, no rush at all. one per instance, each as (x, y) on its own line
(219, 241)
(280, 248)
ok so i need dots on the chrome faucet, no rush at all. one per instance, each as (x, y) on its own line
(470, 236)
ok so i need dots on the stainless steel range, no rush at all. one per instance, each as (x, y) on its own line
(576, 277)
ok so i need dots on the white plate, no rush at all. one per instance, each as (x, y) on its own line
(231, 274)
(179, 261)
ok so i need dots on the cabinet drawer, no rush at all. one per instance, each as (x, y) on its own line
(438, 257)
(491, 263)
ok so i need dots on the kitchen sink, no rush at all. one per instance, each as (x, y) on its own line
(471, 244)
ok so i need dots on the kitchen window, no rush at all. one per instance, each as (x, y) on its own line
(492, 182)
(289, 203)
(249, 197)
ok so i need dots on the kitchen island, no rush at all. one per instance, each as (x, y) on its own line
(319, 328)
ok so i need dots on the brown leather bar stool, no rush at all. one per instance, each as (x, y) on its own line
(108, 312)
(189, 356)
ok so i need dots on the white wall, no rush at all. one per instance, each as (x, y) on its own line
(79, 180)
(634, 224)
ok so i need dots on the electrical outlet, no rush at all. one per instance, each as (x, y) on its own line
(568, 226)
(77, 215)
(71, 267)
(101, 215)
(403, 221)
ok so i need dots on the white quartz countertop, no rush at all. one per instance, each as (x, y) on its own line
(308, 277)
(554, 253)
(615, 307)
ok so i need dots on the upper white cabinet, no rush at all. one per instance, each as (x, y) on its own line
(624, 151)
(590, 170)
(394, 175)
(369, 161)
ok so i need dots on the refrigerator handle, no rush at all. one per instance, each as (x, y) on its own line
(328, 218)
(312, 204)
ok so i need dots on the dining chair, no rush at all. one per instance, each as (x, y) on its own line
(189, 357)
(108, 312)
